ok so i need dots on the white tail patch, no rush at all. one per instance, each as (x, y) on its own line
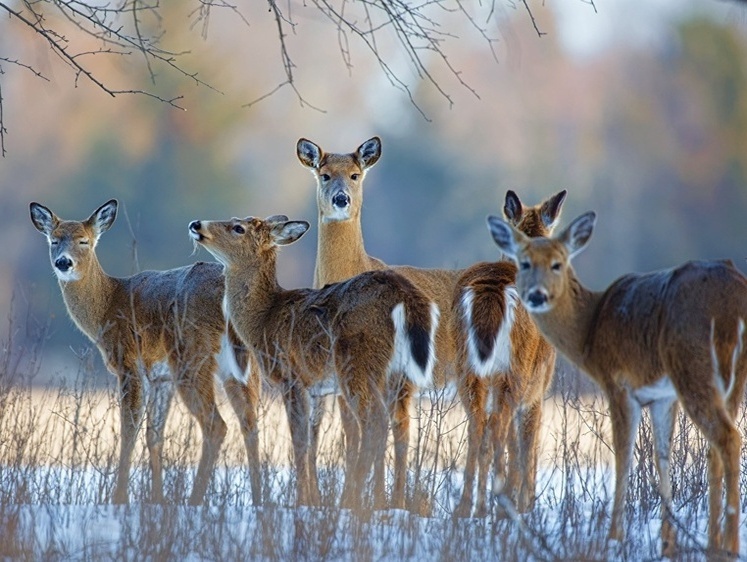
(402, 360)
(735, 354)
(500, 358)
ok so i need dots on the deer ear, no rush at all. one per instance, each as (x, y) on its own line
(44, 220)
(102, 218)
(276, 218)
(577, 234)
(550, 209)
(284, 233)
(513, 208)
(505, 236)
(309, 154)
(369, 152)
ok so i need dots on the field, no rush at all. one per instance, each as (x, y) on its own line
(58, 451)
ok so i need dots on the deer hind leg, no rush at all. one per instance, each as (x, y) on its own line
(523, 463)
(501, 424)
(473, 392)
(196, 387)
(374, 420)
(352, 430)
(625, 413)
(157, 410)
(663, 414)
(244, 399)
(400, 420)
(298, 410)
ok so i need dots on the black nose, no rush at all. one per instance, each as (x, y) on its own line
(63, 263)
(537, 298)
(341, 199)
(195, 226)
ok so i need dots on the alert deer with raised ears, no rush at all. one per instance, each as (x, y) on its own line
(355, 333)
(505, 367)
(341, 254)
(658, 340)
(148, 325)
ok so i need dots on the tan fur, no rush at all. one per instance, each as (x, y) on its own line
(648, 340)
(141, 322)
(516, 391)
(304, 337)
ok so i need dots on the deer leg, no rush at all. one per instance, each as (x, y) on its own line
(625, 414)
(528, 430)
(400, 420)
(374, 422)
(663, 414)
(501, 423)
(298, 410)
(351, 431)
(317, 415)
(244, 399)
(131, 417)
(157, 410)
(473, 392)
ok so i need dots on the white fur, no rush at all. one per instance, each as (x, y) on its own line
(500, 358)
(69, 275)
(328, 385)
(662, 389)
(228, 366)
(402, 360)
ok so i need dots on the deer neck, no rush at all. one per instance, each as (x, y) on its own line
(88, 299)
(340, 251)
(250, 294)
(568, 324)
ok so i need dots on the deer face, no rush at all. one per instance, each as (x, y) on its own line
(248, 241)
(339, 177)
(72, 243)
(544, 263)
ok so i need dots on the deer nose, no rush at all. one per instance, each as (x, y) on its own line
(536, 298)
(63, 263)
(195, 226)
(341, 199)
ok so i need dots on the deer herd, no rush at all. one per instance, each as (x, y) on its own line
(375, 335)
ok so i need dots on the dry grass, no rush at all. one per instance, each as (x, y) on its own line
(58, 452)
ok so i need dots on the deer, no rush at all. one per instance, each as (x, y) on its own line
(156, 330)
(350, 336)
(341, 254)
(658, 340)
(505, 366)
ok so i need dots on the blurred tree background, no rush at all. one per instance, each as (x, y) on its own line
(638, 108)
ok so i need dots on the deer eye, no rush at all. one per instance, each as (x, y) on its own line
(54, 241)
(524, 265)
(325, 177)
(83, 242)
(556, 266)
(238, 229)
(355, 177)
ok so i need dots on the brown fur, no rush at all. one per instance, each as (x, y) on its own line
(303, 336)
(649, 340)
(517, 392)
(142, 321)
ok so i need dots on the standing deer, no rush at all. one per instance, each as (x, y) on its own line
(341, 255)
(361, 330)
(648, 340)
(145, 324)
(505, 366)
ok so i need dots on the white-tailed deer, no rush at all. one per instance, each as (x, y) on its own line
(341, 255)
(145, 324)
(360, 331)
(505, 367)
(651, 340)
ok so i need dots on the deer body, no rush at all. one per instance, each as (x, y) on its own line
(360, 330)
(652, 340)
(341, 254)
(149, 322)
(505, 367)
